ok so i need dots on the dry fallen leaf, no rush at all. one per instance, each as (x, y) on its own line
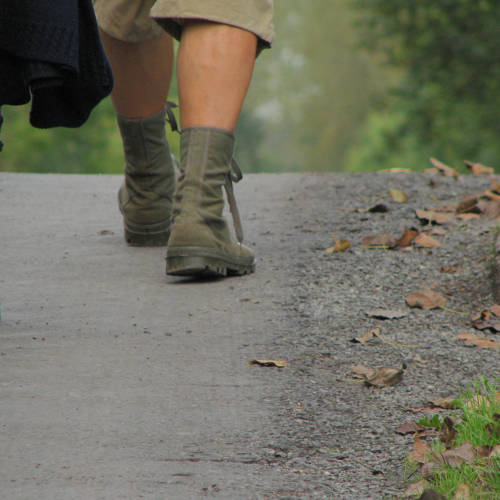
(426, 298)
(384, 376)
(370, 334)
(434, 217)
(468, 206)
(279, 363)
(456, 456)
(467, 217)
(478, 169)
(338, 245)
(361, 371)
(495, 186)
(448, 432)
(490, 208)
(398, 196)
(386, 314)
(471, 339)
(429, 469)
(492, 195)
(409, 427)
(447, 403)
(426, 241)
(384, 240)
(463, 492)
(407, 237)
(492, 325)
(416, 488)
(450, 269)
(495, 452)
(444, 169)
(419, 452)
(431, 495)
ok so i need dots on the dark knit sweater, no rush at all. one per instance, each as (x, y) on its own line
(50, 52)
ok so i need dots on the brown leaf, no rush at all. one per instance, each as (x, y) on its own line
(338, 245)
(444, 169)
(467, 217)
(429, 469)
(434, 217)
(419, 452)
(365, 337)
(478, 169)
(456, 456)
(450, 269)
(448, 432)
(446, 403)
(431, 495)
(463, 492)
(483, 451)
(492, 195)
(386, 314)
(471, 339)
(426, 298)
(495, 309)
(409, 427)
(424, 240)
(398, 196)
(361, 371)
(407, 237)
(415, 489)
(490, 208)
(468, 206)
(384, 376)
(495, 186)
(492, 325)
(279, 363)
(106, 232)
(378, 240)
(495, 452)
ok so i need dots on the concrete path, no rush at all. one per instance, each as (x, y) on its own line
(117, 381)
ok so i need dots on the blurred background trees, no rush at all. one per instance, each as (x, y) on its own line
(349, 85)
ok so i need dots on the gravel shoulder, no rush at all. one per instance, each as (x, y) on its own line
(118, 382)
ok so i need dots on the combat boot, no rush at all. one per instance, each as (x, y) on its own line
(145, 197)
(200, 241)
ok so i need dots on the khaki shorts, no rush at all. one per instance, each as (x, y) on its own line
(139, 20)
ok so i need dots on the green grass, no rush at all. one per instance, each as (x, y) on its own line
(478, 415)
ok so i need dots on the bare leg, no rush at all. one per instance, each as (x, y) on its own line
(214, 69)
(142, 74)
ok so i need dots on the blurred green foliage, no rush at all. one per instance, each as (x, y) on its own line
(448, 100)
(349, 85)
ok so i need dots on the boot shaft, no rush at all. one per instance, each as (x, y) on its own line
(144, 144)
(206, 155)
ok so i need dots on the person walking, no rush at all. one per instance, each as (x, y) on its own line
(219, 41)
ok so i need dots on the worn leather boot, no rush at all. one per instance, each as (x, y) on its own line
(200, 241)
(145, 197)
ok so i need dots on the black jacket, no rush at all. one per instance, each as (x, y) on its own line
(50, 51)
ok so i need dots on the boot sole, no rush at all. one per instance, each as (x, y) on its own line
(199, 261)
(151, 235)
